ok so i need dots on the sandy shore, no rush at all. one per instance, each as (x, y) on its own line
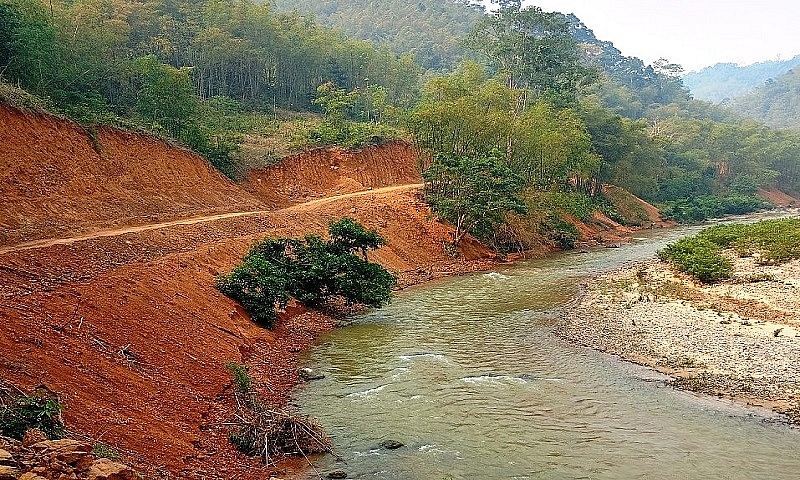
(738, 339)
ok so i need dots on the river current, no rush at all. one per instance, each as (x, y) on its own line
(467, 373)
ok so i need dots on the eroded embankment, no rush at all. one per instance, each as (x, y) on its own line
(129, 329)
(132, 333)
(58, 179)
(740, 338)
(327, 172)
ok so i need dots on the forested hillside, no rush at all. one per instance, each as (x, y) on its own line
(728, 80)
(431, 30)
(553, 111)
(776, 103)
(177, 68)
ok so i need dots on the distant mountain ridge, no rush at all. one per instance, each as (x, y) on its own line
(728, 80)
(776, 103)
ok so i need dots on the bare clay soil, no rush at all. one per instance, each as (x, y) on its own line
(107, 269)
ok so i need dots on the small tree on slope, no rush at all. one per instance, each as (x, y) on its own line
(310, 270)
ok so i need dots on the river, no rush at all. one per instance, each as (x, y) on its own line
(467, 373)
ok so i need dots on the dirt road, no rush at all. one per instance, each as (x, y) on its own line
(306, 206)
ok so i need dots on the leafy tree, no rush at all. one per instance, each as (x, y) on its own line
(311, 270)
(259, 284)
(472, 192)
(165, 95)
(335, 102)
(533, 50)
(350, 236)
(465, 113)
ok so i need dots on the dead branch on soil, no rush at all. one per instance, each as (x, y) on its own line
(269, 433)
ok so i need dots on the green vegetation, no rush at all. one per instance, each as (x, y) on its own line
(474, 193)
(165, 66)
(431, 30)
(310, 270)
(772, 241)
(101, 450)
(532, 50)
(42, 411)
(698, 257)
(776, 102)
(244, 84)
(697, 209)
(241, 378)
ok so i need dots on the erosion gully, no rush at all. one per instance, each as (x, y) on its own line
(467, 373)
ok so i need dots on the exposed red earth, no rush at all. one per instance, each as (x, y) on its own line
(109, 248)
(110, 242)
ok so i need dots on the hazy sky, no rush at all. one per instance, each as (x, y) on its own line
(693, 33)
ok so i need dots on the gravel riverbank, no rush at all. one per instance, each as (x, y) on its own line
(738, 339)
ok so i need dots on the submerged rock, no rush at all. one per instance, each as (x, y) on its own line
(391, 444)
(337, 474)
(309, 374)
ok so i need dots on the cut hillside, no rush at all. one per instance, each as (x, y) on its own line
(133, 335)
(127, 325)
(58, 179)
(332, 171)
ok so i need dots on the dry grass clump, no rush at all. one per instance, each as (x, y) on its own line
(266, 432)
(271, 433)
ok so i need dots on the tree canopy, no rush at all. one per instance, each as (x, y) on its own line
(311, 270)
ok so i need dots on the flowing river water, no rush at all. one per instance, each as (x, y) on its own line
(468, 374)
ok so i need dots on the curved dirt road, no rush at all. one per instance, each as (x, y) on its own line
(48, 242)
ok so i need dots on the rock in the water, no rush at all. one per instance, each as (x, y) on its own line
(308, 374)
(337, 474)
(391, 444)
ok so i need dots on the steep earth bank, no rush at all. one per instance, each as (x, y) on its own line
(120, 316)
(127, 326)
(58, 179)
(327, 172)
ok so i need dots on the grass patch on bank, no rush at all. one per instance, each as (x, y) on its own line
(697, 209)
(769, 241)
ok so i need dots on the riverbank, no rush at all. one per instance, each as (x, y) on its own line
(738, 339)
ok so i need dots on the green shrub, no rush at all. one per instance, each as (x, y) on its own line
(775, 241)
(241, 377)
(698, 257)
(310, 270)
(564, 234)
(697, 209)
(101, 450)
(344, 133)
(580, 205)
(41, 411)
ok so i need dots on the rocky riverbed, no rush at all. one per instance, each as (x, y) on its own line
(739, 338)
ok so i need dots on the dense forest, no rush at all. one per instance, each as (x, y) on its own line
(727, 81)
(523, 118)
(432, 31)
(176, 67)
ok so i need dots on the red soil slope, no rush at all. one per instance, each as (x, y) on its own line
(129, 328)
(779, 198)
(331, 171)
(57, 180)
